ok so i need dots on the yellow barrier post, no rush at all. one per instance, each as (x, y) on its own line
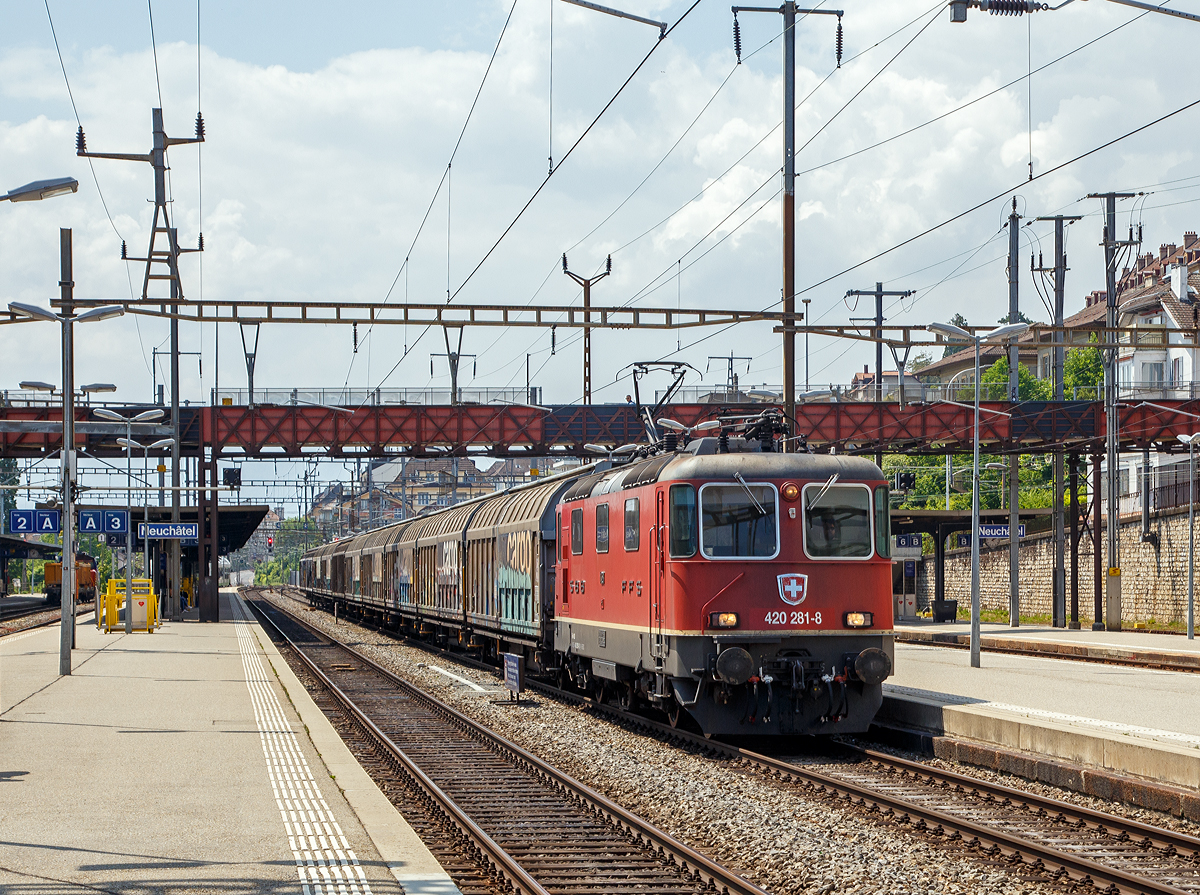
(143, 602)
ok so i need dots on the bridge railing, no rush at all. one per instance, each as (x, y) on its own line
(375, 397)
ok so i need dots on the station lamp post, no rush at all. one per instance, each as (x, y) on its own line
(949, 330)
(144, 417)
(146, 449)
(1190, 441)
(67, 320)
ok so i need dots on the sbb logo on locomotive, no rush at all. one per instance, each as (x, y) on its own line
(793, 588)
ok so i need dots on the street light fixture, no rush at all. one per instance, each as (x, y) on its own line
(950, 331)
(66, 320)
(36, 386)
(1190, 441)
(42, 189)
(128, 443)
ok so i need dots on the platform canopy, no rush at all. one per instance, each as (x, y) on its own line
(18, 548)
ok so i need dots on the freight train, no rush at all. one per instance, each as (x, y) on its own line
(736, 588)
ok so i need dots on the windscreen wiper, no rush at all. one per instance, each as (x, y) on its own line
(829, 484)
(754, 500)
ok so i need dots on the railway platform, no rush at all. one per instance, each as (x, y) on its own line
(1115, 728)
(187, 760)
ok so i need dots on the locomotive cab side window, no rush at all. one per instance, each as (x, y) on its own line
(837, 521)
(577, 531)
(683, 520)
(633, 525)
(739, 521)
(602, 528)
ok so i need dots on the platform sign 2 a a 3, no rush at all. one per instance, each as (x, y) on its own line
(21, 522)
(115, 522)
(91, 522)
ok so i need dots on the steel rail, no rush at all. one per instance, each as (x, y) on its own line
(976, 835)
(687, 858)
(502, 861)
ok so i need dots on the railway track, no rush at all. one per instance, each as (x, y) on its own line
(1001, 824)
(10, 617)
(537, 828)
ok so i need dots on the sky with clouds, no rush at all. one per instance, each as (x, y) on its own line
(330, 128)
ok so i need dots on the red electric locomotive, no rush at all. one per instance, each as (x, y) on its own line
(748, 588)
(717, 579)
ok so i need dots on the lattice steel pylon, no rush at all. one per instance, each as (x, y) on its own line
(155, 260)
(157, 156)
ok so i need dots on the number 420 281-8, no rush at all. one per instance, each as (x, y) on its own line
(793, 618)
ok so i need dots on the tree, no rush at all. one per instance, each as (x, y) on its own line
(1021, 318)
(955, 347)
(9, 475)
(921, 361)
(1029, 387)
(1083, 374)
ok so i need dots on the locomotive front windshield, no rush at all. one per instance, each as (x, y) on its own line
(738, 521)
(837, 521)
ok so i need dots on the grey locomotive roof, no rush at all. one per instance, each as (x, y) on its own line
(776, 466)
(704, 465)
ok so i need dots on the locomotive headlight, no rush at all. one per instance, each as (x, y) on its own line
(790, 491)
(722, 619)
(858, 619)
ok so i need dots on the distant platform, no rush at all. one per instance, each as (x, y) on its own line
(1129, 647)
(190, 760)
(1111, 730)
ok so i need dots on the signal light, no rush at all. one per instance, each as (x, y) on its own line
(722, 619)
(270, 543)
(858, 619)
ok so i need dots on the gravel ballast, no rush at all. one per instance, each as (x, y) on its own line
(772, 833)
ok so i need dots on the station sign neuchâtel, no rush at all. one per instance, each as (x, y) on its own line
(168, 531)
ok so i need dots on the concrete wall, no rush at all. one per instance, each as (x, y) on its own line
(1153, 580)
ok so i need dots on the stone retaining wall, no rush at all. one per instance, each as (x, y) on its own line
(1153, 579)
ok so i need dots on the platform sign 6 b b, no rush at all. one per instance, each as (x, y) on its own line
(514, 674)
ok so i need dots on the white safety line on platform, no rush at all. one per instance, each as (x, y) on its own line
(453, 676)
(1183, 739)
(324, 860)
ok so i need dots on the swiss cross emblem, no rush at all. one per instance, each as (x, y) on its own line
(793, 588)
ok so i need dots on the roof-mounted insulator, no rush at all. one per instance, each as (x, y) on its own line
(124, 251)
(199, 127)
(838, 42)
(608, 265)
(80, 142)
(737, 39)
(1009, 7)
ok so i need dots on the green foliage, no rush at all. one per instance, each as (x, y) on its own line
(1029, 387)
(9, 475)
(955, 347)
(1083, 370)
(1021, 318)
(292, 538)
(921, 361)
